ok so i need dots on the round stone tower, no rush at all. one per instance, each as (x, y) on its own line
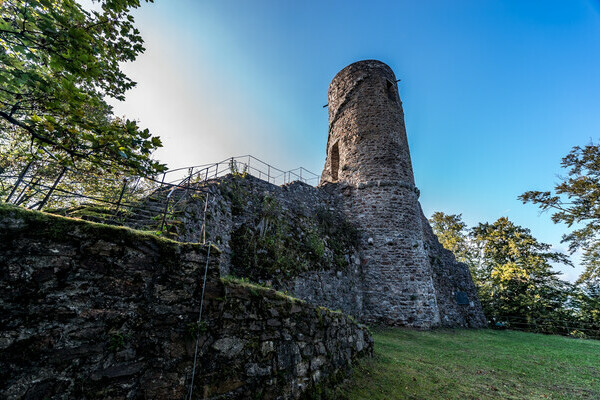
(368, 158)
(367, 138)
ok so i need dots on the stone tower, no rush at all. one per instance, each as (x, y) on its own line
(367, 138)
(369, 161)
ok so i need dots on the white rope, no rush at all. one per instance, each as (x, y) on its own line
(203, 227)
(199, 320)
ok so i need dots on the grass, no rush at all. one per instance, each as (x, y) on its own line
(476, 364)
(55, 227)
(258, 289)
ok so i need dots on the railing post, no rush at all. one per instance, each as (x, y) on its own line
(162, 224)
(121, 196)
(133, 188)
(22, 197)
(19, 180)
(216, 171)
(43, 203)
(32, 182)
(269, 173)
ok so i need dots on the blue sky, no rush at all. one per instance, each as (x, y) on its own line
(495, 93)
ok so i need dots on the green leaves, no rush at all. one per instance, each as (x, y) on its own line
(511, 269)
(577, 203)
(58, 63)
(451, 232)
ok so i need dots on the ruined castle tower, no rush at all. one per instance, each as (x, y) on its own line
(367, 138)
(369, 160)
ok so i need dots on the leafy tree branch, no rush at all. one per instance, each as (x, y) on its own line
(58, 63)
(576, 203)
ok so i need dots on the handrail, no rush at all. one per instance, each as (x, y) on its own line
(131, 193)
(244, 163)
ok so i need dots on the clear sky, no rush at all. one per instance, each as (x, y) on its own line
(495, 92)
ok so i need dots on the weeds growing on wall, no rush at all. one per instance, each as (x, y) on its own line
(275, 245)
(344, 235)
(237, 193)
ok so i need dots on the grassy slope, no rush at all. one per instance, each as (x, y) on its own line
(477, 364)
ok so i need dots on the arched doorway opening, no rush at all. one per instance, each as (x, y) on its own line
(335, 161)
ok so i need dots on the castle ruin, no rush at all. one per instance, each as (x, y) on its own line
(358, 242)
(395, 272)
(132, 315)
(367, 154)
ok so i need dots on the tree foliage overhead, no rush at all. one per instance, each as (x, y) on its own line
(515, 281)
(58, 62)
(576, 201)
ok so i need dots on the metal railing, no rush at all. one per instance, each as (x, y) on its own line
(243, 165)
(130, 197)
(565, 327)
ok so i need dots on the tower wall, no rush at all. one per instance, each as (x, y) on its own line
(367, 154)
(366, 127)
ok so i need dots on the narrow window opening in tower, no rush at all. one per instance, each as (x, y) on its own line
(335, 161)
(391, 92)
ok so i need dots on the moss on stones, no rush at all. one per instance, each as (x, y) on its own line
(277, 244)
(17, 220)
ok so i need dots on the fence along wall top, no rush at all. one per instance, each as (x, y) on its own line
(246, 164)
(179, 178)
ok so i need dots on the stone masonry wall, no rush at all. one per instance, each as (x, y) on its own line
(367, 134)
(451, 277)
(398, 279)
(366, 121)
(312, 220)
(397, 292)
(93, 311)
(273, 346)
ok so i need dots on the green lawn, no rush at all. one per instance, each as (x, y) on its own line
(476, 364)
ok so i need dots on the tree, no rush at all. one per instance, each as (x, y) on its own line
(452, 234)
(576, 201)
(516, 279)
(58, 62)
(586, 308)
(26, 179)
